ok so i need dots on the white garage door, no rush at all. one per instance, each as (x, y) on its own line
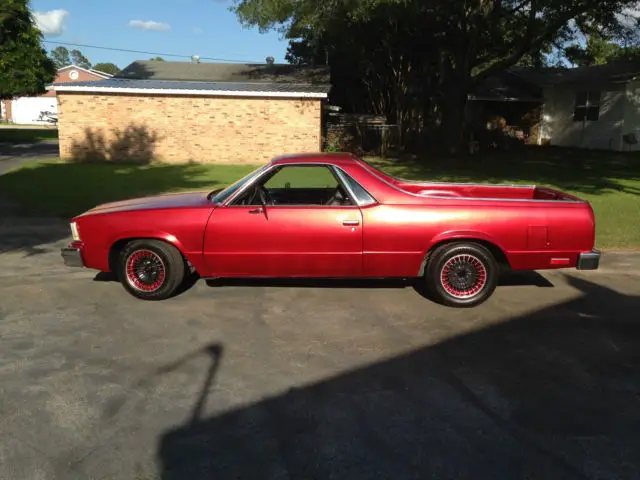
(27, 110)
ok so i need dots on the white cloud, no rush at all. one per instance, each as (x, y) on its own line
(51, 22)
(197, 30)
(629, 16)
(149, 25)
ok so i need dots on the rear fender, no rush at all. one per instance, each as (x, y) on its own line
(469, 235)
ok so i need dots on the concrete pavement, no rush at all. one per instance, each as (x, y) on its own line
(318, 380)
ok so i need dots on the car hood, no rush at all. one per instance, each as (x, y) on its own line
(169, 200)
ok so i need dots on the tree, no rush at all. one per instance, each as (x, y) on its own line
(598, 51)
(25, 68)
(61, 57)
(110, 68)
(80, 60)
(631, 54)
(461, 42)
(376, 73)
(157, 59)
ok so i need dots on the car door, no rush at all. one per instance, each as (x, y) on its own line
(309, 231)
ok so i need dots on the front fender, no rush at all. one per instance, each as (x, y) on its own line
(158, 235)
(195, 258)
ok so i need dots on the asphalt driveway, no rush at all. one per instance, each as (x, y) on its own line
(323, 380)
(14, 155)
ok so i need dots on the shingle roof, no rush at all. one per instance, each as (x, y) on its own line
(225, 72)
(212, 79)
(507, 86)
(119, 83)
(584, 76)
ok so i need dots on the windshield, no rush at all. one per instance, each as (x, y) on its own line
(222, 196)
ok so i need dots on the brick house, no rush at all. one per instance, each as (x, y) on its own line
(202, 112)
(28, 110)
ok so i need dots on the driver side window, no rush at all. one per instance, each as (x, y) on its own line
(302, 177)
(298, 185)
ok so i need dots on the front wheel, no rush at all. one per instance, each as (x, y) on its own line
(461, 274)
(151, 269)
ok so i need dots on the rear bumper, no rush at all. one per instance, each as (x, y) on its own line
(589, 261)
(72, 256)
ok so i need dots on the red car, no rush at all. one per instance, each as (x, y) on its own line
(336, 216)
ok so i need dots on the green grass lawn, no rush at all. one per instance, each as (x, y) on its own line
(27, 135)
(611, 182)
(58, 188)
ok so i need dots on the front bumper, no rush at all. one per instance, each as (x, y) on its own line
(72, 256)
(589, 261)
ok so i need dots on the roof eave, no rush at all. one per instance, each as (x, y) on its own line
(169, 91)
(489, 98)
(97, 73)
(597, 83)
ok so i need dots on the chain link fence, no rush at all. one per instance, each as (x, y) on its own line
(360, 134)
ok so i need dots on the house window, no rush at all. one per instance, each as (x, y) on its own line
(587, 106)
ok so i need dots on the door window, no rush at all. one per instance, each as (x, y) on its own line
(298, 185)
(299, 177)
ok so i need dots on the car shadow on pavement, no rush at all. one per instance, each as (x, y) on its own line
(507, 278)
(554, 393)
(189, 281)
(526, 278)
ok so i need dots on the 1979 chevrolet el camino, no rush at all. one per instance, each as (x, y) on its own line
(336, 216)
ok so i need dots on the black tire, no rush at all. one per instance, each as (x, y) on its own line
(470, 278)
(156, 269)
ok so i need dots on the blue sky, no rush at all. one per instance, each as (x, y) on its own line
(183, 27)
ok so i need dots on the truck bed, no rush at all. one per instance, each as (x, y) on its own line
(473, 190)
(486, 191)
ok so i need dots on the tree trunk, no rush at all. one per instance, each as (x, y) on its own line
(453, 108)
(455, 81)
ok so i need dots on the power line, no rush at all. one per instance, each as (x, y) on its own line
(146, 53)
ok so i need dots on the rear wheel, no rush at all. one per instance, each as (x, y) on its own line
(151, 269)
(461, 274)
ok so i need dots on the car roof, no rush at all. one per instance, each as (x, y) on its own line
(339, 158)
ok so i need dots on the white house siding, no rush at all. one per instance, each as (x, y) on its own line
(631, 123)
(604, 133)
(26, 110)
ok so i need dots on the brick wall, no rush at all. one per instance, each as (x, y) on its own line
(8, 114)
(63, 76)
(180, 129)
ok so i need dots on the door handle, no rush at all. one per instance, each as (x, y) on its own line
(256, 211)
(350, 223)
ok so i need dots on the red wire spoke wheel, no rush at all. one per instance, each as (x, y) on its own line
(145, 270)
(151, 269)
(461, 274)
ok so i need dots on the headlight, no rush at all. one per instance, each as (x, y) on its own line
(74, 232)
